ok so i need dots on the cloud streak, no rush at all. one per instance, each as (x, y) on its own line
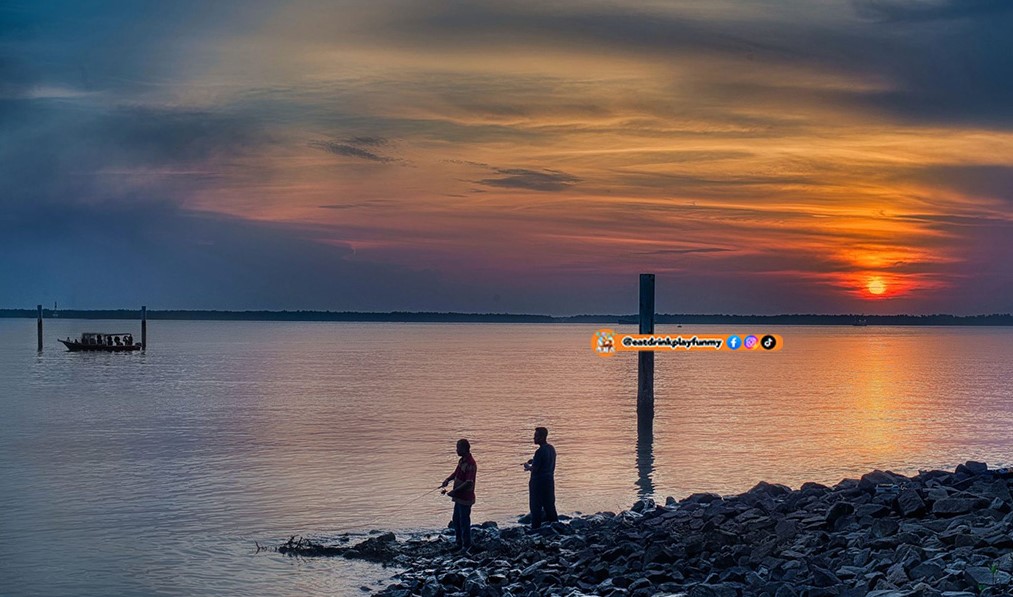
(532, 180)
(346, 150)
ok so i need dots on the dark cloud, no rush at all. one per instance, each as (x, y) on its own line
(343, 149)
(532, 180)
(366, 140)
(954, 72)
(685, 251)
(899, 11)
(356, 205)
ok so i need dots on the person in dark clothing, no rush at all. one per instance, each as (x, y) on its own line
(463, 493)
(542, 486)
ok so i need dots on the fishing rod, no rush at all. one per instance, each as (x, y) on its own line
(386, 512)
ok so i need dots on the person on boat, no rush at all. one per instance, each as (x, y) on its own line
(542, 485)
(463, 493)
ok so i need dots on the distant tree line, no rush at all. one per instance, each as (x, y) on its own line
(450, 317)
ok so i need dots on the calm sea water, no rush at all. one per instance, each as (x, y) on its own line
(154, 474)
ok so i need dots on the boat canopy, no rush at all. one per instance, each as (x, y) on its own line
(87, 335)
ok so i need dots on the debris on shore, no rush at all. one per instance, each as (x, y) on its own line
(937, 534)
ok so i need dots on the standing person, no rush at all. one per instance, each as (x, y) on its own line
(542, 486)
(463, 493)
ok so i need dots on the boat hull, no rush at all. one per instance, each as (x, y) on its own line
(74, 346)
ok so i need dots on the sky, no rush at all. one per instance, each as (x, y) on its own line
(782, 156)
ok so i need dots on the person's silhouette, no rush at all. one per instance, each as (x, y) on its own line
(463, 493)
(542, 486)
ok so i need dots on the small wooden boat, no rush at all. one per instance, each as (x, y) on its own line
(102, 342)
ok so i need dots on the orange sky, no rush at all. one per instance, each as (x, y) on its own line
(794, 149)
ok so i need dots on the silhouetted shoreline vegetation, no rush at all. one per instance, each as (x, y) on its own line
(1004, 319)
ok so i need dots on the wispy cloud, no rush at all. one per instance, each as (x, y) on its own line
(532, 180)
(346, 150)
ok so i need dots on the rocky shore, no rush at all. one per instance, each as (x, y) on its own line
(938, 533)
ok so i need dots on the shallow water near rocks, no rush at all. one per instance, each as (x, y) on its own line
(155, 473)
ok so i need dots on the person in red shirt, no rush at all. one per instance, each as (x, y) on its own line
(463, 493)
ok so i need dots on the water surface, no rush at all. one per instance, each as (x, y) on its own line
(153, 474)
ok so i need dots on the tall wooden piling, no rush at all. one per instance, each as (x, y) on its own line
(144, 327)
(645, 360)
(39, 325)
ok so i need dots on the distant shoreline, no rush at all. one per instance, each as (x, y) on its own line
(1004, 319)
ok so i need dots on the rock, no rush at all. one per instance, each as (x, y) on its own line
(926, 570)
(497, 579)
(824, 578)
(454, 579)
(837, 511)
(701, 498)
(530, 570)
(909, 503)
(978, 576)
(873, 510)
(786, 529)
(972, 468)
(714, 590)
(671, 502)
(640, 583)
(884, 527)
(643, 505)
(954, 506)
(870, 481)
(770, 489)
(895, 574)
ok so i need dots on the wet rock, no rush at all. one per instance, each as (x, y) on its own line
(643, 505)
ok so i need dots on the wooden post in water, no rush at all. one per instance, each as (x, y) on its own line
(645, 359)
(40, 328)
(144, 327)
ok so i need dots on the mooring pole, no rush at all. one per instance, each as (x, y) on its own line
(645, 360)
(144, 327)
(40, 328)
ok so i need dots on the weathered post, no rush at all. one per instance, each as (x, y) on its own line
(645, 359)
(40, 328)
(144, 327)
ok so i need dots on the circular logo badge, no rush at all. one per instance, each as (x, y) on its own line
(750, 342)
(768, 342)
(734, 342)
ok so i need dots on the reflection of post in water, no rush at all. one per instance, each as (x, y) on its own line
(645, 459)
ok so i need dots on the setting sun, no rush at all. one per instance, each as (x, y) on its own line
(876, 286)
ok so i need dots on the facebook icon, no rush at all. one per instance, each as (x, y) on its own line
(734, 342)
